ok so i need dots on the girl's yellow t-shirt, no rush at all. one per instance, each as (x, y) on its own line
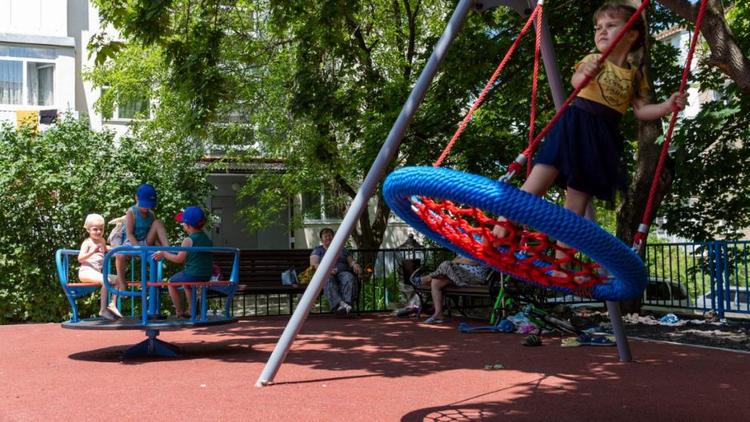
(613, 86)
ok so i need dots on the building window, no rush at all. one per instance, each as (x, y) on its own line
(11, 82)
(131, 109)
(323, 205)
(41, 82)
(24, 79)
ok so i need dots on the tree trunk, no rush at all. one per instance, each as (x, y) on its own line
(726, 55)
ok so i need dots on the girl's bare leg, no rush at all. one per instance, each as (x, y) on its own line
(120, 262)
(176, 300)
(540, 180)
(188, 301)
(103, 294)
(436, 287)
(578, 202)
(157, 232)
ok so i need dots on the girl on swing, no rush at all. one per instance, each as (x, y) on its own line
(583, 151)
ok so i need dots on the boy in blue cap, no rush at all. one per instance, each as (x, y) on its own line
(198, 265)
(141, 227)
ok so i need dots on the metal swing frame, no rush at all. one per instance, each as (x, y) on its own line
(386, 155)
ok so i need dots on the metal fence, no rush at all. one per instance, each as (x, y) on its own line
(382, 277)
(688, 276)
(694, 277)
(700, 276)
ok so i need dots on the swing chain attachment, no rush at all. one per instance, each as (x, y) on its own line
(514, 167)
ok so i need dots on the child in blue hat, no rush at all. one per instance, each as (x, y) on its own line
(141, 227)
(198, 265)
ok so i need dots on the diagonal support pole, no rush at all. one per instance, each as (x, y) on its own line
(367, 190)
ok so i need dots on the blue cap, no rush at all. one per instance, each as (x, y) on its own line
(146, 196)
(192, 216)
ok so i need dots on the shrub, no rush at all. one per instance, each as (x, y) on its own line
(51, 181)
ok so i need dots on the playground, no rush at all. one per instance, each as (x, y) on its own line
(376, 367)
(358, 362)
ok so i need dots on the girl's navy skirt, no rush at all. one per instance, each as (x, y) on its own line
(586, 147)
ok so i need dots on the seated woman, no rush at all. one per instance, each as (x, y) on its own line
(340, 290)
(460, 272)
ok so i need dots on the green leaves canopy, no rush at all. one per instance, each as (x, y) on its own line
(319, 85)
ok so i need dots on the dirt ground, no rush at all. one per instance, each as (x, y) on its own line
(697, 330)
(729, 335)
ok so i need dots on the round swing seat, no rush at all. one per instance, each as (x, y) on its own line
(459, 211)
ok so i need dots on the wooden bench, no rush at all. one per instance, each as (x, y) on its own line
(260, 272)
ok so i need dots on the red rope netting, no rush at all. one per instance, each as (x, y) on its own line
(522, 253)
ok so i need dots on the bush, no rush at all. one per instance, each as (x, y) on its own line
(51, 181)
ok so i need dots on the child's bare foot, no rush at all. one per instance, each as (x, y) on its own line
(113, 309)
(499, 231)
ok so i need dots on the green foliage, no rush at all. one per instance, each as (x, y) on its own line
(711, 193)
(319, 84)
(710, 197)
(51, 181)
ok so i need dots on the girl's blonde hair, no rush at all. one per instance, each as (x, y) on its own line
(93, 220)
(624, 10)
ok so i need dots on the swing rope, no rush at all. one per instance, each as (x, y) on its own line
(537, 12)
(642, 233)
(534, 84)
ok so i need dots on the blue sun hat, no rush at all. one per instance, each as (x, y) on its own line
(192, 216)
(146, 196)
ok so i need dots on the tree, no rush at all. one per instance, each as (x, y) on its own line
(51, 181)
(320, 83)
(711, 191)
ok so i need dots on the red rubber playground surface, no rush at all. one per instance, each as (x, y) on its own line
(373, 368)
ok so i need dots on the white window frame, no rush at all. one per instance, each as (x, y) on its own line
(116, 112)
(25, 73)
(324, 219)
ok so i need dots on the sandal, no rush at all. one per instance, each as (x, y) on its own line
(570, 342)
(587, 340)
(116, 312)
(107, 315)
(433, 320)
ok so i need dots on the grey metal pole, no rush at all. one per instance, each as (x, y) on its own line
(623, 347)
(523, 8)
(379, 166)
(550, 64)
